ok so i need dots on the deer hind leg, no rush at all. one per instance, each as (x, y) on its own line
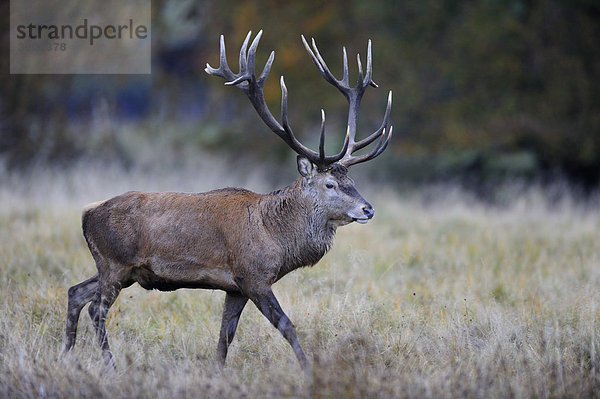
(104, 298)
(270, 308)
(79, 296)
(234, 304)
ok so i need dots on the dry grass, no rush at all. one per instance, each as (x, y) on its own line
(448, 299)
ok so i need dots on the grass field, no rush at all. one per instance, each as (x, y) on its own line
(438, 296)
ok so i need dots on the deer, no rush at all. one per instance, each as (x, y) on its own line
(231, 239)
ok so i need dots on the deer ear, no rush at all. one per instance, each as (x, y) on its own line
(306, 167)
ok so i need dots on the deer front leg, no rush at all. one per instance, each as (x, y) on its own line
(234, 304)
(270, 308)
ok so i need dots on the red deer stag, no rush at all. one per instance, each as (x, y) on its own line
(231, 239)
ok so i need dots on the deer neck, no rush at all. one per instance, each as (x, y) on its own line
(294, 219)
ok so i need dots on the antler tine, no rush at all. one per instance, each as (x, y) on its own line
(360, 80)
(252, 54)
(244, 75)
(328, 160)
(340, 155)
(322, 138)
(312, 56)
(317, 58)
(318, 159)
(290, 138)
(373, 136)
(381, 148)
(222, 54)
(368, 78)
(329, 76)
(345, 77)
(380, 133)
(284, 117)
(325, 73)
(378, 149)
(265, 73)
(223, 69)
(243, 56)
(387, 141)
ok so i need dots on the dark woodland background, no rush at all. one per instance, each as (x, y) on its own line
(484, 91)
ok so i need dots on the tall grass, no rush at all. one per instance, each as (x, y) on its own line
(438, 296)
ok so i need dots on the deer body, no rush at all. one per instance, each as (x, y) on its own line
(230, 239)
(167, 241)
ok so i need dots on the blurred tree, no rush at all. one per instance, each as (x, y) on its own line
(484, 89)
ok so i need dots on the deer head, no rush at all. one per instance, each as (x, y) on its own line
(325, 176)
(334, 194)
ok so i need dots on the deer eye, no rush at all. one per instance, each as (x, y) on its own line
(329, 185)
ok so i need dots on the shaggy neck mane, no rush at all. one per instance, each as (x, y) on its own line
(293, 218)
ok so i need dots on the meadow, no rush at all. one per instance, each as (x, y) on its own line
(440, 295)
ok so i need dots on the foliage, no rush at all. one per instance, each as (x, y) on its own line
(482, 88)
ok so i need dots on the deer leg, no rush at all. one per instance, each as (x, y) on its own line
(79, 296)
(234, 304)
(270, 308)
(103, 300)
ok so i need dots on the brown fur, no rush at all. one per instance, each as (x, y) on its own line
(230, 239)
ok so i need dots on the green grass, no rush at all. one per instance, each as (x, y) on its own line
(448, 299)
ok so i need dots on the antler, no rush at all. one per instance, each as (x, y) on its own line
(354, 95)
(246, 80)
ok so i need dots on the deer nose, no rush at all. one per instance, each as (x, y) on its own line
(368, 211)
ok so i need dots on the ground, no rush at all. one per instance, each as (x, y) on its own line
(439, 296)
